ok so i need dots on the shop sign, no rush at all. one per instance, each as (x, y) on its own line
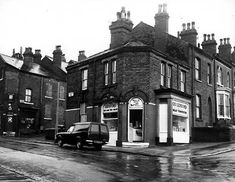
(135, 103)
(110, 107)
(180, 109)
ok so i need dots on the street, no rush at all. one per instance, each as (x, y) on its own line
(45, 162)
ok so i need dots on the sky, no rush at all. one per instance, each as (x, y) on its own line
(84, 24)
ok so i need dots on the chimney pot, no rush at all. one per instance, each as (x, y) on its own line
(193, 25)
(128, 15)
(204, 37)
(221, 41)
(228, 40)
(58, 47)
(164, 8)
(209, 37)
(188, 26)
(198, 45)
(184, 26)
(213, 36)
(159, 8)
(37, 51)
(225, 41)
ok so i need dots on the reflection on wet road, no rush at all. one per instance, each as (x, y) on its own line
(115, 166)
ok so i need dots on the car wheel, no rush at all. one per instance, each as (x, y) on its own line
(98, 147)
(79, 144)
(60, 143)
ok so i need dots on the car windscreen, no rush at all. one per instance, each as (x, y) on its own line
(80, 127)
(70, 129)
(104, 129)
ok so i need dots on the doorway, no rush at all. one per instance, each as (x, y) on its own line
(135, 124)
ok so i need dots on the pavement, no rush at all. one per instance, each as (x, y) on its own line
(192, 150)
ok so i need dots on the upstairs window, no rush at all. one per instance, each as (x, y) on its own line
(28, 95)
(209, 74)
(169, 76)
(114, 69)
(48, 89)
(163, 74)
(228, 80)
(219, 76)
(182, 81)
(84, 79)
(106, 73)
(197, 69)
(62, 92)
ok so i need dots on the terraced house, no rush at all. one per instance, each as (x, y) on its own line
(152, 87)
(33, 90)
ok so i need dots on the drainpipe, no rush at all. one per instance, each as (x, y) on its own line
(215, 97)
(57, 108)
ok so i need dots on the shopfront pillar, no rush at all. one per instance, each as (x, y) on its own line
(169, 123)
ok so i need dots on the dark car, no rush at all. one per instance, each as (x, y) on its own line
(86, 133)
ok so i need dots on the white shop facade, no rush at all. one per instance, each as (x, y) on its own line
(174, 118)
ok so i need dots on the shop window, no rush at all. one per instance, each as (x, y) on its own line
(163, 74)
(61, 94)
(228, 80)
(169, 76)
(198, 106)
(182, 81)
(219, 76)
(114, 74)
(106, 73)
(28, 95)
(179, 124)
(84, 79)
(110, 116)
(197, 69)
(209, 74)
(48, 89)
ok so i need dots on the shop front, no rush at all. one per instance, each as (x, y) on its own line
(109, 116)
(174, 118)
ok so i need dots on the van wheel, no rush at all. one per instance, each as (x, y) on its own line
(98, 147)
(79, 145)
(60, 143)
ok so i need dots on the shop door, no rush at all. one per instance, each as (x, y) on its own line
(163, 111)
(135, 125)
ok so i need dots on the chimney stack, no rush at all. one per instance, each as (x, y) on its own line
(81, 56)
(57, 56)
(28, 55)
(209, 44)
(190, 34)
(162, 18)
(37, 56)
(225, 49)
(120, 29)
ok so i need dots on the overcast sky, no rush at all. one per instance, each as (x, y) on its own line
(84, 24)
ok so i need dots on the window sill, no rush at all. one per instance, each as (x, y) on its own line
(47, 118)
(198, 80)
(61, 99)
(48, 97)
(110, 86)
(209, 84)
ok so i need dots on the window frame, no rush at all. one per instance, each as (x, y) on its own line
(163, 74)
(48, 89)
(169, 76)
(209, 74)
(198, 107)
(114, 71)
(28, 95)
(182, 80)
(228, 80)
(219, 75)
(62, 92)
(223, 105)
(84, 79)
(198, 68)
(106, 73)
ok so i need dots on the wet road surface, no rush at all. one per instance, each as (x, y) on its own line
(44, 162)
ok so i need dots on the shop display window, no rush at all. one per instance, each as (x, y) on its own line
(179, 124)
